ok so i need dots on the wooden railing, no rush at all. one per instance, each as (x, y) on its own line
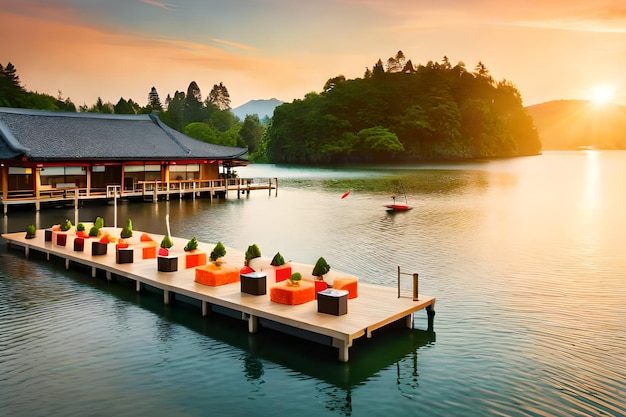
(415, 284)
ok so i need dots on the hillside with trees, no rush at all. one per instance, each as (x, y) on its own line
(576, 124)
(399, 112)
(210, 120)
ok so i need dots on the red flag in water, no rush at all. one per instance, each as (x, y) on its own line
(346, 194)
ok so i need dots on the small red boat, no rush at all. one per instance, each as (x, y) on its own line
(397, 206)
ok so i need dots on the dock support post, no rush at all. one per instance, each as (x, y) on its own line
(430, 310)
(206, 308)
(344, 349)
(108, 275)
(67, 263)
(138, 286)
(409, 321)
(93, 271)
(166, 297)
(26, 249)
(253, 324)
(415, 287)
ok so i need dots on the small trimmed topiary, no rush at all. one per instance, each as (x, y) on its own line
(167, 243)
(31, 231)
(218, 251)
(252, 252)
(80, 227)
(93, 232)
(127, 231)
(66, 225)
(191, 245)
(295, 278)
(99, 223)
(278, 260)
(321, 268)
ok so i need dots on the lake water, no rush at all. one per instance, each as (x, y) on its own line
(527, 259)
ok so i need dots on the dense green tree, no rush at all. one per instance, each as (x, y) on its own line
(251, 132)
(193, 104)
(123, 107)
(174, 116)
(11, 92)
(154, 102)
(201, 131)
(220, 97)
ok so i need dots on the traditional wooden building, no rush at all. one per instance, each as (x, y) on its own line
(50, 156)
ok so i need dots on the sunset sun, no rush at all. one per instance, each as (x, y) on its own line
(602, 94)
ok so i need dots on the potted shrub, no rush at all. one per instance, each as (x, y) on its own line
(191, 245)
(66, 225)
(252, 252)
(282, 269)
(320, 269)
(217, 253)
(166, 244)
(167, 263)
(193, 256)
(99, 222)
(127, 231)
(31, 231)
(80, 231)
(295, 278)
(93, 232)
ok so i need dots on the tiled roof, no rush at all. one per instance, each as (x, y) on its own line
(63, 136)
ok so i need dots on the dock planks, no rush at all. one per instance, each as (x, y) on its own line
(375, 307)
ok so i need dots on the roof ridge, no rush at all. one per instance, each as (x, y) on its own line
(84, 115)
(11, 140)
(155, 118)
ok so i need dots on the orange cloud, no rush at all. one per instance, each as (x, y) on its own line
(159, 4)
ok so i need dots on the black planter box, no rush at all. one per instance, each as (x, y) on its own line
(79, 244)
(254, 283)
(333, 302)
(167, 263)
(99, 248)
(48, 235)
(124, 256)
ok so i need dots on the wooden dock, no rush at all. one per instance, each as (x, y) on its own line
(70, 194)
(375, 307)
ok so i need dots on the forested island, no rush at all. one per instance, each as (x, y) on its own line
(403, 113)
(397, 112)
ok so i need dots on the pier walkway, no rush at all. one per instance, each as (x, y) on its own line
(375, 307)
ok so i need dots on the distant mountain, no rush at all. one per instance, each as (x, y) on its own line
(575, 124)
(261, 108)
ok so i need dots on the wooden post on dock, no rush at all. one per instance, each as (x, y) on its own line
(415, 287)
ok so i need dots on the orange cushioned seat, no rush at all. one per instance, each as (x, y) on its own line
(148, 249)
(284, 293)
(213, 275)
(195, 258)
(350, 284)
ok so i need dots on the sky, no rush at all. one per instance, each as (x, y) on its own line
(285, 49)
